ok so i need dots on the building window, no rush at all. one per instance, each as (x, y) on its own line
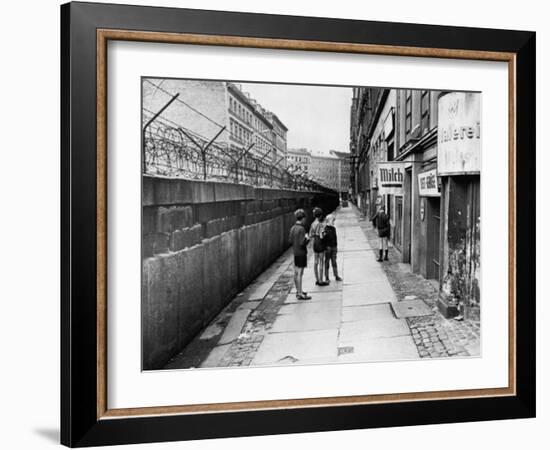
(408, 112)
(425, 109)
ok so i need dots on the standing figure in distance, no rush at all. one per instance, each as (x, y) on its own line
(316, 232)
(381, 221)
(299, 240)
(331, 247)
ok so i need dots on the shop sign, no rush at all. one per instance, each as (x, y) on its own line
(459, 134)
(390, 178)
(428, 184)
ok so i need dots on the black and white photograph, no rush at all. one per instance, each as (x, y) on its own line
(295, 224)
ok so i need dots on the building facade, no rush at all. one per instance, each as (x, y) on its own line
(324, 170)
(418, 152)
(278, 136)
(248, 124)
(344, 172)
(298, 160)
(203, 107)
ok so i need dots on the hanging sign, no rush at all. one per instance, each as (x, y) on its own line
(459, 134)
(390, 178)
(428, 185)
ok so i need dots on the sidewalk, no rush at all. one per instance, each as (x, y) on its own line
(358, 319)
(346, 321)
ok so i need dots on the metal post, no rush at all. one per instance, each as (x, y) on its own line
(239, 158)
(160, 111)
(205, 148)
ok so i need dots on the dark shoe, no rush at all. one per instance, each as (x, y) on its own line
(386, 256)
(339, 279)
(318, 284)
(304, 296)
(325, 283)
(379, 256)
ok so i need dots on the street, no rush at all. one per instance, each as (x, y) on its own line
(379, 312)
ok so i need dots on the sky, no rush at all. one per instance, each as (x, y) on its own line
(317, 117)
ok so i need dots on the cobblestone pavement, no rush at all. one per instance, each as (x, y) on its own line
(434, 335)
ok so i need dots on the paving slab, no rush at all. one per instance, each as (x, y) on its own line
(411, 308)
(215, 356)
(315, 297)
(369, 312)
(378, 291)
(311, 307)
(234, 327)
(364, 330)
(359, 274)
(260, 290)
(211, 331)
(304, 320)
(302, 346)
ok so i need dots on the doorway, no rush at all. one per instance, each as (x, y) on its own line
(398, 232)
(434, 224)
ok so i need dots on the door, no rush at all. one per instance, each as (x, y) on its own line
(434, 224)
(398, 233)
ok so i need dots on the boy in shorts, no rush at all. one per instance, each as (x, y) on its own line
(299, 240)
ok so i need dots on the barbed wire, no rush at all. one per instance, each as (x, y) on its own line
(170, 149)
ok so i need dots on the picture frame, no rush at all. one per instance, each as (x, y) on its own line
(86, 418)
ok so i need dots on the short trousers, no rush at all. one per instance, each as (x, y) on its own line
(300, 260)
(384, 232)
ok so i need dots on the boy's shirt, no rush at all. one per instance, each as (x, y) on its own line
(316, 231)
(317, 228)
(297, 238)
(329, 236)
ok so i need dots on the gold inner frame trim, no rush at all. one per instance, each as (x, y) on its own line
(103, 36)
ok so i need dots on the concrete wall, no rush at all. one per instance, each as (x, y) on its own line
(203, 242)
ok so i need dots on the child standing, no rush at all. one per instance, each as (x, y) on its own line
(299, 240)
(330, 240)
(381, 221)
(316, 231)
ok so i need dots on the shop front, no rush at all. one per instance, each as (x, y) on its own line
(429, 213)
(459, 168)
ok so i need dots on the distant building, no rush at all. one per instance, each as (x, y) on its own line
(344, 171)
(324, 170)
(298, 160)
(331, 171)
